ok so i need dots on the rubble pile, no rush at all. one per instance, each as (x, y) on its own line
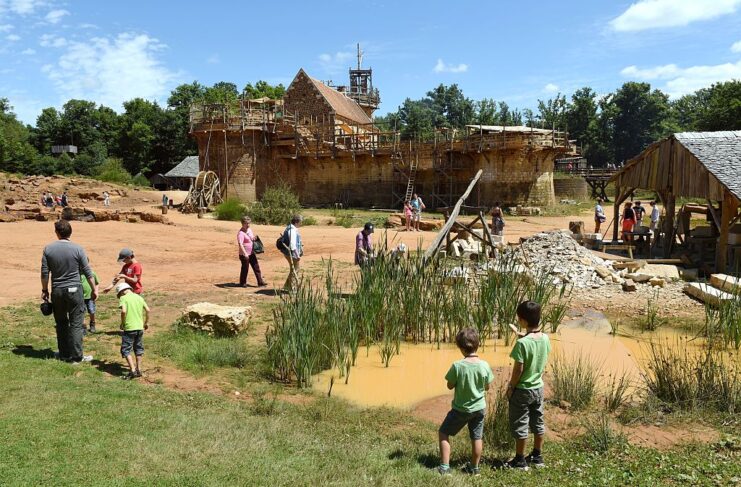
(558, 254)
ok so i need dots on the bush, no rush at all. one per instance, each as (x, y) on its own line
(231, 210)
(112, 171)
(574, 380)
(141, 180)
(276, 207)
(308, 221)
(599, 436)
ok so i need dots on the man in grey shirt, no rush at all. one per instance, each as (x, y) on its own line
(66, 261)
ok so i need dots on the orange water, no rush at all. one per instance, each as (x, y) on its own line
(418, 372)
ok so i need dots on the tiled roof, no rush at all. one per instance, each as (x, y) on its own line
(188, 168)
(341, 104)
(719, 152)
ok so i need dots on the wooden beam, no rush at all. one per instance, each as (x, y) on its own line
(714, 214)
(669, 225)
(729, 207)
(435, 245)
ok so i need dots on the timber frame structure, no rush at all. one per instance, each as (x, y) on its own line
(704, 165)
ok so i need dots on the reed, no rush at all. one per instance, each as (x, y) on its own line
(497, 434)
(599, 435)
(723, 322)
(617, 391)
(652, 320)
(574, 379)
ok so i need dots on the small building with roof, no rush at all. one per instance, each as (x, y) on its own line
(700, 165)
(180, 176)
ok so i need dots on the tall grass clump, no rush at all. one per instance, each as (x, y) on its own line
(198, 351)
(616, 392)
(574, 379)
(231, 210)
(276, 206)
(652, 320)
(396, 299)
(693, 380)
(497, 434)
(599, 435)
(723, 322)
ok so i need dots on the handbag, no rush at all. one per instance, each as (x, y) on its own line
(257, 247)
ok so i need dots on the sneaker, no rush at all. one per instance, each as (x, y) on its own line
(471, 470)
(138, 373)
(445, 471)
(84, 331)
(130, 376)
(92, 329)
(56, 356)
(517, 463)
(262, 284)
(535, 460)
(87, 358)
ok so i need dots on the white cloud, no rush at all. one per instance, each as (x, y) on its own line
(6, 28)
(550, 88)
(213, 59)
(21, 7)
(55, 16)
(441, 67)
(653, 14)
(13, 38)
(112, 70)
(736, 47)
(28, 52)
(680, 81)
(337, 62)
(50, 40)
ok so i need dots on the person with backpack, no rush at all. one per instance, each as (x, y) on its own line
(497, 220)
(290, 245)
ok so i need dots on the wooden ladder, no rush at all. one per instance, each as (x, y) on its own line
(412, 177)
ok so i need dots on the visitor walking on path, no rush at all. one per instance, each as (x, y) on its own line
(470, 378)
(87, 296)
(245, 241)
(364, 246)
(66, 261)
(417, 206)
(106, 199)
(408, 215)
(497, 219)
(134, 320)
(525, 388)
(599, 216)
(131, 272)
(293, 250)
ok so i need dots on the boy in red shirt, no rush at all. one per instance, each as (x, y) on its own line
(131, 272)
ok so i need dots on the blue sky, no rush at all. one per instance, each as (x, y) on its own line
(517, 52)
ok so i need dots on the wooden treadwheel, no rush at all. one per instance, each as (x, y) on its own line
(205, 192)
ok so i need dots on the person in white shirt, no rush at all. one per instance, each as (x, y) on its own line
(295, 251)
(654, 217)
(599, 216)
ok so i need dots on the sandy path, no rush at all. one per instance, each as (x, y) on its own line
(197, 254)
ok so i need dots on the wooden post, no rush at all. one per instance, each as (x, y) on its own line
(729, 207)
(669, 224)
(616, 213)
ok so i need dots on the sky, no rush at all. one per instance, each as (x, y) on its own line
(518, 52)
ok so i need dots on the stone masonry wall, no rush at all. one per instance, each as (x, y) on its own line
(302, 98)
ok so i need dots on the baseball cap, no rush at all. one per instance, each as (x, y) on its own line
(122, 286)
(124, 253)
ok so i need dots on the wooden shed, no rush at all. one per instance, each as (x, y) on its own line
(704, 165)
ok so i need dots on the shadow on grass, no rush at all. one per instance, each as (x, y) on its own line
(270, 292)
(112, 368)
(228, 285)
(428, 460)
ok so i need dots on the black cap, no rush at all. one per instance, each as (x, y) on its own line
(368, 227)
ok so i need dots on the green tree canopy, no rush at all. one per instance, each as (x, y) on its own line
(264, 89)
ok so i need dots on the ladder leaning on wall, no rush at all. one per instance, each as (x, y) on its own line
(412, 176)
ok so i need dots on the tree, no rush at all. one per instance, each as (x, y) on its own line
(552, 113)
(722, 107)
(48, 131)
(222, 92)
(264, 89)
(16, 152)
(581, 112)
(179, 103)
(639, 119)
(450, 107)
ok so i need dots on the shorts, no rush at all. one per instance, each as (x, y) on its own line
(132, 339)
(456, 420)
(526, 409)
(416, 215)
(90, 306)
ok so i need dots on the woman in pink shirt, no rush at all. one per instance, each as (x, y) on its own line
(247, 257)
(408, 215)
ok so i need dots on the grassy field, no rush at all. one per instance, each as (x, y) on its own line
(80, 425)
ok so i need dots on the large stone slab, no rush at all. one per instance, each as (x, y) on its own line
(706, 293)
(668, 272)
(217, 320)
(726, 283)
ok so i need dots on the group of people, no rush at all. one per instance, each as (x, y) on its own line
(74, 291)
(48, 199)
(470, 379)
(413, 212)
(631, 217)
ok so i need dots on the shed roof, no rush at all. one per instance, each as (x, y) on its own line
(341, 104)
(188, 168)
(719, 152)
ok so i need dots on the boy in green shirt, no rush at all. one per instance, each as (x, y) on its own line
(525, 388)
(470, 378)
(134, 320)
(87, 293)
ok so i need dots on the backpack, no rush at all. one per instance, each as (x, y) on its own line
(284, 242)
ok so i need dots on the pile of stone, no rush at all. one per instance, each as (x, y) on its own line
(558, 254)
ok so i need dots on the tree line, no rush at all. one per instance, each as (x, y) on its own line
(147, 138)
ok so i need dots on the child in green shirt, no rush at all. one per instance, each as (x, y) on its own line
(134, 320)
(87, 293)
(470, 378)
(525, 388)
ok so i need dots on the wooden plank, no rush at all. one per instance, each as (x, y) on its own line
(726, 283)
(706, 293)
(435, 245)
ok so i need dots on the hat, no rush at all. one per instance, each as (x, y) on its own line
(123, 286)
(368, 227)
(46, 308)
(124, 253)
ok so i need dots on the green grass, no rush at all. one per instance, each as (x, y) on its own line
(230, 210)
(76, 425)
(574, 379)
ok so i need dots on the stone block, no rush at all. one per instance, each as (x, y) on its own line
(726, 283)
(706, 293)
(657, 282)
(217, 320)
(690, 275)
(668, 272)
(629, 286)
(603, 272)
(640, 278)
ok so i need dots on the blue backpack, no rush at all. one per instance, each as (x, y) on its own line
(284, 242)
